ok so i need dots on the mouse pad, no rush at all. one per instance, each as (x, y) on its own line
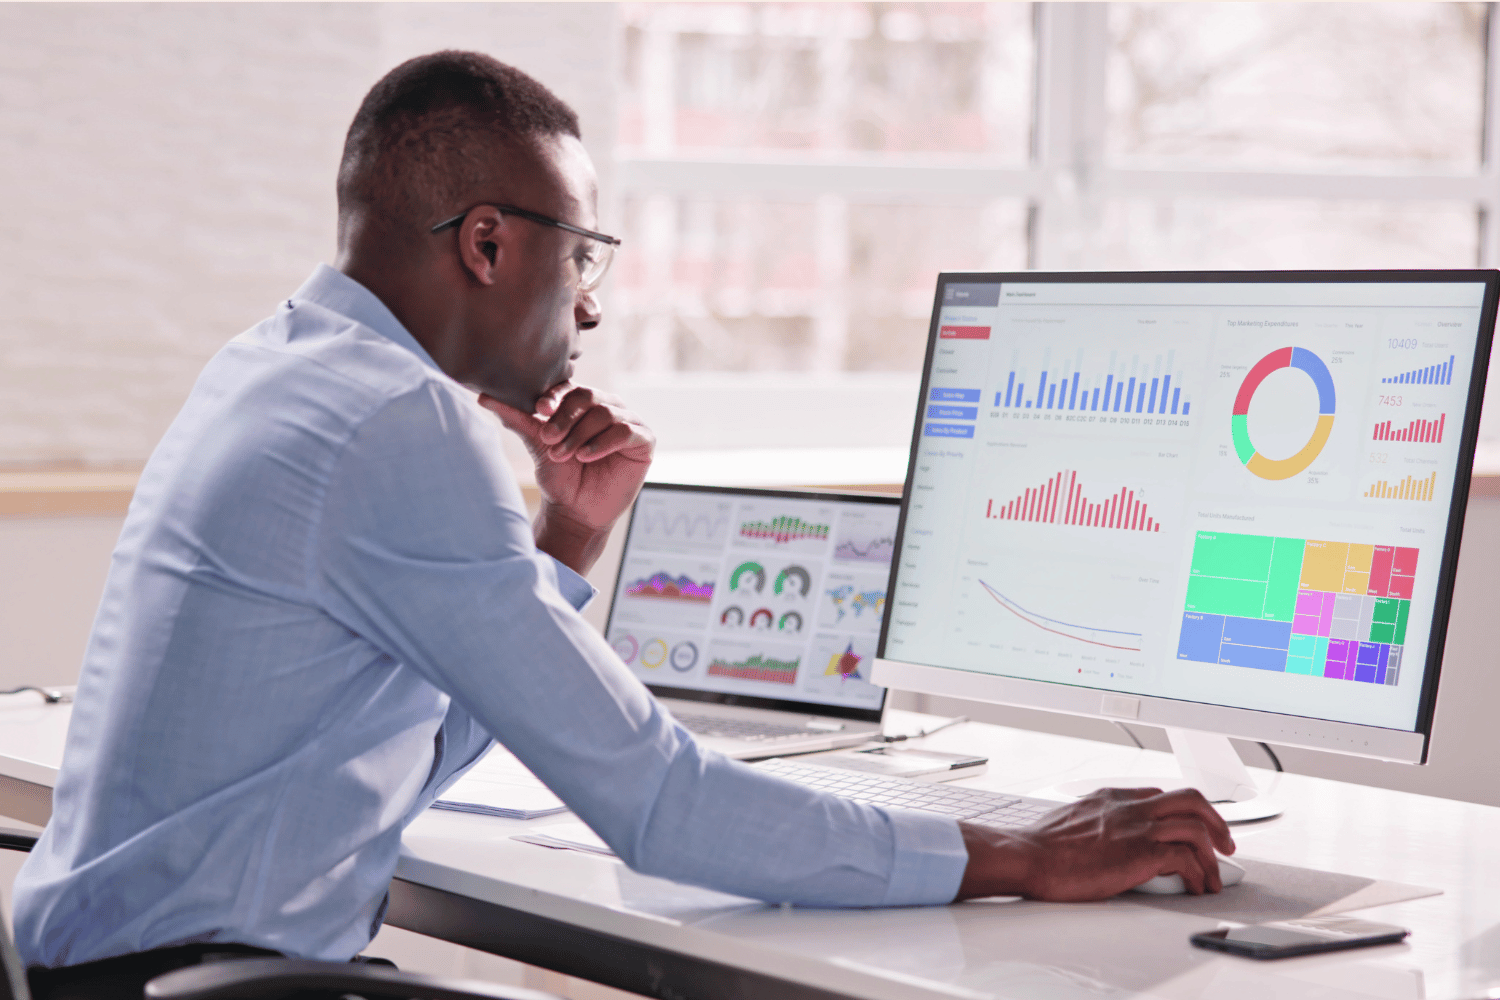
(1285, 892)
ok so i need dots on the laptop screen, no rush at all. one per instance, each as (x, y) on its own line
(760, 598)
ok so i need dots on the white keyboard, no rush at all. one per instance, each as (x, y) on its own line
(974, 805)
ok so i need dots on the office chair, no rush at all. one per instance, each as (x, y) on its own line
(271, 978)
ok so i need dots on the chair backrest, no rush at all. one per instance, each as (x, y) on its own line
(13, 983)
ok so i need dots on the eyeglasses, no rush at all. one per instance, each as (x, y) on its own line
(592, 262)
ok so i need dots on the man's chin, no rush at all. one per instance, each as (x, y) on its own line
(519, 399)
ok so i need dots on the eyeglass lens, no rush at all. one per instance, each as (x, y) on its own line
(595, 263)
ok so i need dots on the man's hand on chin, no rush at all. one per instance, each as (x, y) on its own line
(591, 457)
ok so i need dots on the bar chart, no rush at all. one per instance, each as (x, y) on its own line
(1117, 387)
(1061, 499)
(1410, 488)
(1441, 374)
(783, 529)
(1425, 431)
(756, 667)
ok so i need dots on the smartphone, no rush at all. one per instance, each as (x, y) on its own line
(1286, 938)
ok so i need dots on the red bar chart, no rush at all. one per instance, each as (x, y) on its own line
(1426, 431)
(1062, 500)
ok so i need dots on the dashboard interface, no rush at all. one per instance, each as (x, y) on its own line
(755, 593)
(1228, 493)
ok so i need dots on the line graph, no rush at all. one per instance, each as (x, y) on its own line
(677, 522)
(857, 549)
(1091, 635)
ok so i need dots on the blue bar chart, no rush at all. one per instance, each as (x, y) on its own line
(1135, 387)
(1441, 374)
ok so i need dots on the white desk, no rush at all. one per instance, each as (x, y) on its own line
(32, 733)
(463, 879)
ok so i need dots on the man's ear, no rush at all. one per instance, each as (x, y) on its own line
(482, 243)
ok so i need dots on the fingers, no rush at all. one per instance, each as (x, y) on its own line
(1193, 849)
(572, 420)
(549, 401)
(590, 425)
(1189, 801)
(1180, 859)
(524, 424)
(584, 428)
(618, 438)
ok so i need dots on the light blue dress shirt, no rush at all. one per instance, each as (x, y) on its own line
(324, 601)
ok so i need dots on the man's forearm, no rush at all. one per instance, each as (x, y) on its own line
(574, 544)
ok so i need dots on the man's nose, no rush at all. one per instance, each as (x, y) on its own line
(586, 310)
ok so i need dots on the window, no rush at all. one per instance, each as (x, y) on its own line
(794, 176)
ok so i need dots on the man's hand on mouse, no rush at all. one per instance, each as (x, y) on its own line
(591, 457)
(1100, 846)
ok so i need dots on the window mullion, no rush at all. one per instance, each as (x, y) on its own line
(1072, 46)
(1489, 201)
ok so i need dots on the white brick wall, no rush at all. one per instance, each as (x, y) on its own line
(168, 174)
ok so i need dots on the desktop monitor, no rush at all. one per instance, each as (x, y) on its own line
(1226, 504)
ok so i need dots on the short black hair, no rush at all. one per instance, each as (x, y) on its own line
(429, 132)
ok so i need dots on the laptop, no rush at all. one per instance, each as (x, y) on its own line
(753, 614)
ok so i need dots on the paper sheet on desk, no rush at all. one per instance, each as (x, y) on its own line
(567, 836)
(1284, 892)
(500, 785)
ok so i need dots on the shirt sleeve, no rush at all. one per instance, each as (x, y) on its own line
(460, 741)
(426, 551)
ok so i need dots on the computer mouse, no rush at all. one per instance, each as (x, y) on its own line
(1171, 885)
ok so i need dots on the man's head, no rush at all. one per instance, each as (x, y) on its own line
(495, 297)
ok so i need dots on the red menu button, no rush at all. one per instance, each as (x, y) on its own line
(964, 332)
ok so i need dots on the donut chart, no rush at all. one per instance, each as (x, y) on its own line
(654, 653)
(1310, 364)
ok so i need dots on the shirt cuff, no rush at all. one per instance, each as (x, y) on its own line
(575, 589)
(930, 859)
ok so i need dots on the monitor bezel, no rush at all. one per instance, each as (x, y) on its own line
(1320, 734)
(793, 705)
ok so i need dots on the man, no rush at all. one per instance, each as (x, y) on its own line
(327, 599)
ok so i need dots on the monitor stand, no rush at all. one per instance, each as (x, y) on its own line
(1210, 764)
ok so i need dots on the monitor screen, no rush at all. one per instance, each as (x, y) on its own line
(1233, 490)
(756, 597)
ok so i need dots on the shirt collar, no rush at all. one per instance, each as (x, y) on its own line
(340, 293)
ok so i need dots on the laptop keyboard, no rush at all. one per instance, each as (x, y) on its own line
(975, 805)
(740, 729)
